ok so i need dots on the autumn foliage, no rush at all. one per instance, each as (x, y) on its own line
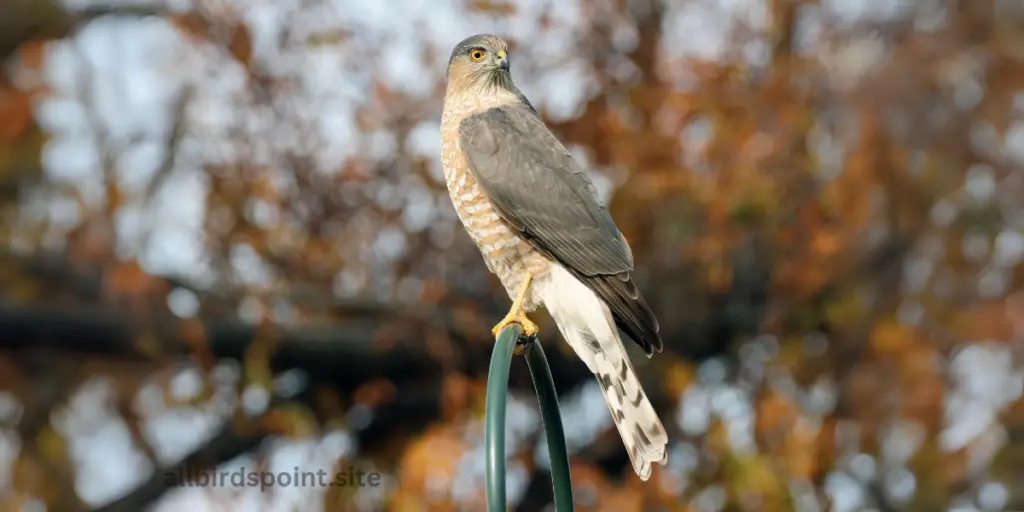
(826, 207)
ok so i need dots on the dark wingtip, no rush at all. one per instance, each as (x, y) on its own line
(654, 345)
(632, 314)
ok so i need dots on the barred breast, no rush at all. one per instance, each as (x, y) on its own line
(506, 254)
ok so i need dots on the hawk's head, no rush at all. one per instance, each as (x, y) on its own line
(480, 60)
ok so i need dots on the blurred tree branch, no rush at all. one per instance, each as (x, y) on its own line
(227, 444)
(345, 353)
(28, 20)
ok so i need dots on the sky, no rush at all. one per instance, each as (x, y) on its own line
(135, 69)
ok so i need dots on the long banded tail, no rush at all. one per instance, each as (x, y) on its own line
(635, 418)
(588, 325)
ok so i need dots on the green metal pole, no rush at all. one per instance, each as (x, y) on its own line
(494, 433)
(557, 452)
(494, 430)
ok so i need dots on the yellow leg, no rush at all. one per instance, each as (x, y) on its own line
(516, 314)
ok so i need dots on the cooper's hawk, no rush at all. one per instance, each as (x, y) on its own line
(534, 215)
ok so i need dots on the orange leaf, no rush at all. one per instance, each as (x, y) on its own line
(30, 55)
(454, 395)
(191, 24)
(374, 392)
(434, 456)
(492, 7)
(240, 45)
(128, 279)
(992, 320)
(891, 337)
(15, 112)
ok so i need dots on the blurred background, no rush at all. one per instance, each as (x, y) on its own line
(226, 243)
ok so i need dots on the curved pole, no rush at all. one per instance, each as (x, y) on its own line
(494, 435)
(544, 384)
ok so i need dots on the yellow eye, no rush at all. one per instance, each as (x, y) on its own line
(477, 54)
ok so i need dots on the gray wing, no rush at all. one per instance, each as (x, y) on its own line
(542, 193)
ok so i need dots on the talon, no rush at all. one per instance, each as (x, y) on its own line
(516, 314)
(516, 317)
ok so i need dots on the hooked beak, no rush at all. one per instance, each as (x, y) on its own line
(503, 63)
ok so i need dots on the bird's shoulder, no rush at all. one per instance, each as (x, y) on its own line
(519, 161)
(517, 116)
(520, 125)
(530, 131)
